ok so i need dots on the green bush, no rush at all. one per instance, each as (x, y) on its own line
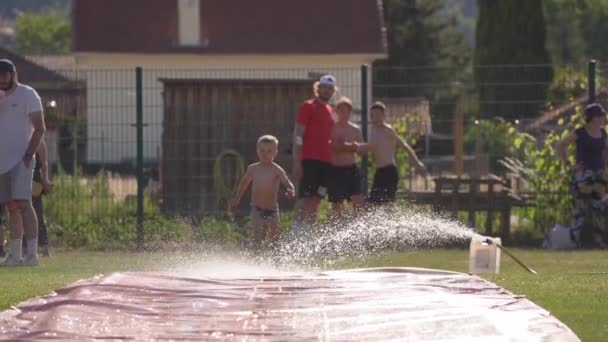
(496, 138)
(87, 214)
(545, 174)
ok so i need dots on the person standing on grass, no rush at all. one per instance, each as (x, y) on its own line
(265, 177)
(21, 130)
(383, 142)
(312, 153)
(588, 183)
(345, 178)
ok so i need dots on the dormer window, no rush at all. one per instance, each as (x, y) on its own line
(189, 22)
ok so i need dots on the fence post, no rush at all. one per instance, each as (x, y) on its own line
(364, 105)
(139, 126)
(591, 79)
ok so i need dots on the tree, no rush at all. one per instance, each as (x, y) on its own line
(512, 66)
(43, 33)
(594, 27)
(427, 52)
(564, 38)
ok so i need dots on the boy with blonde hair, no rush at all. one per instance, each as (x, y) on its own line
(382, 143)
(345, 178)
(265, 177)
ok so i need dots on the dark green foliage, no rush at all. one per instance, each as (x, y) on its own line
(512, 65)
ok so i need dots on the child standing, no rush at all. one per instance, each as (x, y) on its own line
(345, 178)
(266, 176)
(383, 142)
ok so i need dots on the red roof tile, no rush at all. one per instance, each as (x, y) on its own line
(232, 27)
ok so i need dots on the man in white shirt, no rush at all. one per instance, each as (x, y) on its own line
(21, 130)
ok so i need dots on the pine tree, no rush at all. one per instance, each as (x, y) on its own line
(422, 35)
(512, 66)
(564, 38)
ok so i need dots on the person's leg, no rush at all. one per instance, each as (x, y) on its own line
(392, 184)
(358, 202)
(274, 230)
(578, 210)
(336, 191)
(337, 210)
(30, 227)
(43, 240)
(259, 233)
(16, 234)
(307, 191)
(21, 188)
(355, 191)
(376, 194)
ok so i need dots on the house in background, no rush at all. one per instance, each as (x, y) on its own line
(209, 40)
(216, 75)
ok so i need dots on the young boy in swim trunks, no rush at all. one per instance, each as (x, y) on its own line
(383, 142)
(344, 175)
(266, 176)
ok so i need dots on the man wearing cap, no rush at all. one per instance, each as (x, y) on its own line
(588, 183)
(312, 151)
(21, 130)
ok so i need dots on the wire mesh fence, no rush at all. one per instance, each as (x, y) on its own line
(200, 127)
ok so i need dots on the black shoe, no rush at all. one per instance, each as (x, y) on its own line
(45, 251)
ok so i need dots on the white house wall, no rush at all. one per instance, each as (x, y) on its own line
(111, 101)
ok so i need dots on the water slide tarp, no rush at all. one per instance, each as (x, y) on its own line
(400, 304)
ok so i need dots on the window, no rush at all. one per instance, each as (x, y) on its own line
(189, 26)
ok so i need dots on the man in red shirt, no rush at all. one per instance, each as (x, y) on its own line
(312, 151)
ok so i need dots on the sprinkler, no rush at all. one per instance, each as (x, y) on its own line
(490, 242)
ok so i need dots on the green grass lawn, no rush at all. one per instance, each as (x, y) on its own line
(571, 285)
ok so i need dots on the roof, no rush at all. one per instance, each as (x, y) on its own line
(232, 27)
(37, 75)
(565, 110)
(54, 62)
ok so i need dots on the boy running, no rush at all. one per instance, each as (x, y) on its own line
(265, 176)
(382, 144)
(345, 178)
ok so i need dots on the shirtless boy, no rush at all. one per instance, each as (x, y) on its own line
(382, 144)
(345, 178)
(265, 176)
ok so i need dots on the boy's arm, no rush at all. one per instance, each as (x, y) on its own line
(366, 148)
(291, 190)
(243, 185)
(410, 151)
(339, 145)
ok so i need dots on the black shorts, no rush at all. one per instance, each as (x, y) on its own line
(344, 182)
(385, 185)
(315, 174)
(1, 217)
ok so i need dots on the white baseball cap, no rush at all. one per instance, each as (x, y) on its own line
(327, 80)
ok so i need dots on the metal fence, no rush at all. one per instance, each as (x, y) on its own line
(128, 142)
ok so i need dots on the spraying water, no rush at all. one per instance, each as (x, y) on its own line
(379, 230)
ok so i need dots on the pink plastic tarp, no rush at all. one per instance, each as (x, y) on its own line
(401, 304)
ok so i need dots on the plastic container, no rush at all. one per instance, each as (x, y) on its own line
(484, 256)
